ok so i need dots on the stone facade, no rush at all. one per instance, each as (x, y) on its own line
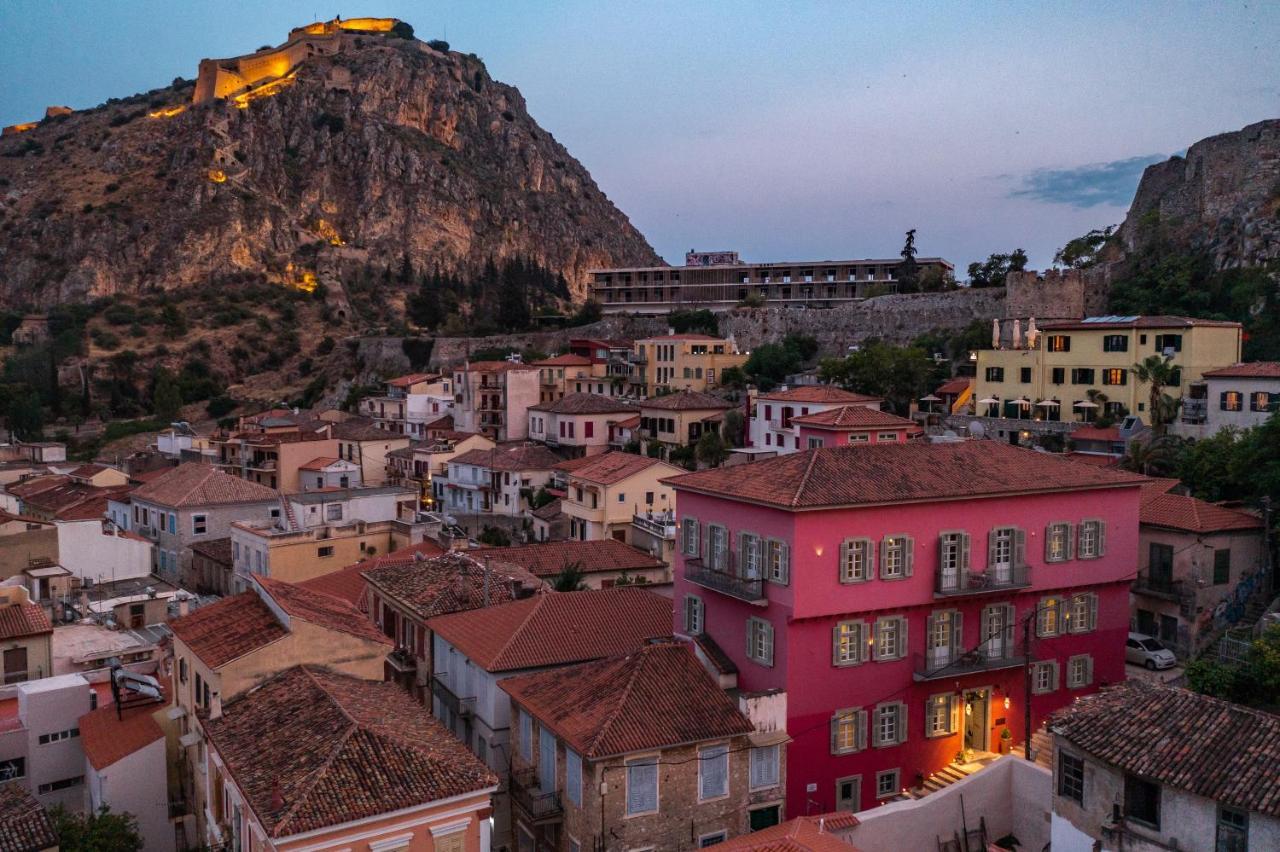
(1057, 293)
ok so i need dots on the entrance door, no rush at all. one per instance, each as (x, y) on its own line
(977, 705)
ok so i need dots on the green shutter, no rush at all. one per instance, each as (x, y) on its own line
(964, 554)
(1019, 547)
(1071, 541)
(908, 555)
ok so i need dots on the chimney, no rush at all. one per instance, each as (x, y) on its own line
(215, 706)
(184, 606)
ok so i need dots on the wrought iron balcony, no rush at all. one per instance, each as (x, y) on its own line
(539, 805)
(462, 707)
(660, 524)
(724, 580)
(1194, 410)
(950, 584)
(402, 661)
(954, 664)
(1157, 586)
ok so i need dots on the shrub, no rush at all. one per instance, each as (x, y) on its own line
(220, 406)
(325, 346)
(439, 44)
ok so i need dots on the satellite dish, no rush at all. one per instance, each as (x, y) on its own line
(977, 430)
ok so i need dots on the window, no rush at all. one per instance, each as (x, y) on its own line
(693, 614)
(1058, 343)
(1221, 566)
(713, 839)
(1058, 375)
(1115, 376)
(848, 731)
(891, 638)
(1166, 342)
(1006, 549)
(764, 762)
(13, 768)
(855, 560)
(1082, 375)
(943, 638)
(573, 776)
(1233, 830)
(642, 786)
(526, 736)
(63, 784)
(849, 793)
(1231, 401)
(1092, 533)
(713, 772)
(182, 669)
(324, 551)
(890, 725)
(1079, 671)
(995, 374)
(749, 554)
(779, 562)
(887, 783)
(59, 736)
(882, 437)
(1261, 401)
(1115, 343)
(1071, 777)
(1142, 801)
(333, 512)
(1057, 542)
(858, 438)
(1084, 612)
(895, 557)
(941, 715)
(688, 531)
(760, 641)
(815, 443)
(849, 643)
(1044, 676)
(1024, 375)
(1049, 617)
(199, 524)
(717, 555)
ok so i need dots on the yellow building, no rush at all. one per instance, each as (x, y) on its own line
(681, 362)
(570, 373)
(26, 637)
(262, 548)
(1049, 376)
(679, 419)
(605, 494)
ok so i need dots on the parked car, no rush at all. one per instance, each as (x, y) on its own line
(1144, 650)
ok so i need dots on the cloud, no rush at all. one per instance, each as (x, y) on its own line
(1087, 186)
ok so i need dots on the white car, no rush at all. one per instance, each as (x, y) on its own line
(1144, 650)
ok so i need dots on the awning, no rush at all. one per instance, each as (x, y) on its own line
(1086, 404)
(1048, 403)
(991, 400)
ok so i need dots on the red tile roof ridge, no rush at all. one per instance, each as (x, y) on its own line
(1246, 370)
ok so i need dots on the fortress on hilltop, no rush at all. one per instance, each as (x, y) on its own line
(241, 78)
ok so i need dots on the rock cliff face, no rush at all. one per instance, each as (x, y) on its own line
(1223, 198)
(386, 148)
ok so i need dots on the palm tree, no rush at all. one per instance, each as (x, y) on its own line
(1154, 457)
(1155, 371)
(569, 579)
(1099, 399)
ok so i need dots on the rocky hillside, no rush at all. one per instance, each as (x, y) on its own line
(1222, 198)
(391, 147)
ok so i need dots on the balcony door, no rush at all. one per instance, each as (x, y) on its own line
(942, 631)
(997, 632)
(1001, 567)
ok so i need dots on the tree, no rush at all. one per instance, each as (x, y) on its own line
(1154, 457)
(175, 325)
(899, 375)
(166, 400)
(770, 363)
(700, 321)
(997, 267)
(1254, 682)
(101, 831)
(733, 427)
(423, 306)
(570, 578)
(24, 417)
(908, 271)
(711, 450)
(1082, 252)
(1156, 371)
(540, 498)
(494, 537)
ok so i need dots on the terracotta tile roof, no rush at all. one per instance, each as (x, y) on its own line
(520, 457)
(658, 695)
(586, 403)
(321, 610)
(345, 583)
(107, 740)
(494, 367)
(1202, 745)
(897, 473)
(818, 393)
(228, 629)
(450, 583)
(86, 471)
(25, 826)
(566, 360)
(148, 475)
(628, 422)
(685, 400)
(425, 549)
(1095, 459)
(1155, 321)
(311, 748)
(29, 487)
(69, 499)
(443, 422)
(411, 379)
(363, 429)
(1248, 370)
(548, 512)
(854, 417)
(570, 465)
(608, 468)
(546, 560)
(6, 517)
(684, 336)
(954, 386)
(557, 628)
(1093, 433)
(215, 549)
(18, 620)
(319, 463)
(802, 834)
(1179, 512)
(194, 484)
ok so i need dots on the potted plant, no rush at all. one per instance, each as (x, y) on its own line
(1006, 740)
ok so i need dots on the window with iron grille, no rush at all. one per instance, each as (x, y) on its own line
(1071, 777)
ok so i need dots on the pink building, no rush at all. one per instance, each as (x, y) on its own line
(887, 590)
(853, 424)
(771, 414)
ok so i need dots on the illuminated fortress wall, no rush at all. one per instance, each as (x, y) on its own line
(219, 79)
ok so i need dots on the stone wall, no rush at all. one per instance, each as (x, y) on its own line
(1057, 294)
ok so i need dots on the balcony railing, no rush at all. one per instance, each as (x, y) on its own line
(402, 661)
(1156, 586)
(462, 707)
(724, 580)
(989, 658)
(1194, 410)
(538, 804)
(947, 584)
(660, 525)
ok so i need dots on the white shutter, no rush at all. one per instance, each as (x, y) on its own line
(901, 728)
(573, 776)
(1093, 611)
(784, 560)
(642, 787)
(908, 555)
(1102, 538)
(768, 643)
(964, 553)
(957, 634)
(1019, 547)
(1071, 541)
(713, 777)
(901, 650)
(860, 729)
(843, 573)
(1088, 670)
